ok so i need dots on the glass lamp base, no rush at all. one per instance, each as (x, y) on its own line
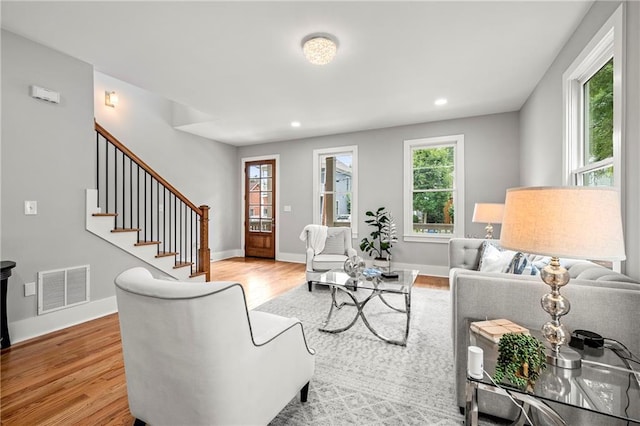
(564, 358)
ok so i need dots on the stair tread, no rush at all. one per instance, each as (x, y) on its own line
(126, 230)
(166, 254)
(197, 274)
(147, 243)
(104, 214)
(182, 264)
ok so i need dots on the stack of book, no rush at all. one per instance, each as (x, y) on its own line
(495, 329)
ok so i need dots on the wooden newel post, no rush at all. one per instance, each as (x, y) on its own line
(205, 251)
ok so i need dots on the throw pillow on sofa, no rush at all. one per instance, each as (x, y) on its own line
(494, 258)
(521, 265)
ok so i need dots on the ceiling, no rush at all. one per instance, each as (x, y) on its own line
(241, 65)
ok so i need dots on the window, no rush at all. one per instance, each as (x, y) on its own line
(434, 188)
(335, 187)
(593, 110)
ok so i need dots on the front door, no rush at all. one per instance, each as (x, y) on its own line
(259, 207)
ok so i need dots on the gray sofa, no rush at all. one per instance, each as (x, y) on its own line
(602, 301)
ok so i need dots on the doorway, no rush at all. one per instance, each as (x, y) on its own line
(260, 209)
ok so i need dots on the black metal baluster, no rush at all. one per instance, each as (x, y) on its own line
(175, 224)
(124, 207)
(145, 205)
(106, 178)
(158, 212)
(131, 192)
(115, 184)
(98, 169)
(181, 224)
(191, 242)
(138, 197)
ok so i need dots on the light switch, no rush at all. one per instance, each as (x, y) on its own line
(287, 208)
(30, 207)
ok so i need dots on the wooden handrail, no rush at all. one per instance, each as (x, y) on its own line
(108, 136)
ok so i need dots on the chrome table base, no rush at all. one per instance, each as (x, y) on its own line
(359, 305)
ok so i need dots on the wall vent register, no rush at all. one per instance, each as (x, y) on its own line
(62, 288)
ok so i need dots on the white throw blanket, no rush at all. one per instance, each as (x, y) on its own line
(317, 235)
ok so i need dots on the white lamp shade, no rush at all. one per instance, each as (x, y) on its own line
(488, 212)
(573, 222)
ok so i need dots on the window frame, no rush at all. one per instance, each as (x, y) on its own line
(607, 44)
(317, 171)
(457, 142)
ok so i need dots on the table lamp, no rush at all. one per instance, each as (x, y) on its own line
(488, 213)
(572, 222)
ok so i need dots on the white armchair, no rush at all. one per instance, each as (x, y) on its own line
(194, 355)
(337, 248)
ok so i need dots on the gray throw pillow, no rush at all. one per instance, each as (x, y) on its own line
(334, 244)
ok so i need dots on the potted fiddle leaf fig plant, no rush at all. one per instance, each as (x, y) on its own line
(381, 238)
(521, 358)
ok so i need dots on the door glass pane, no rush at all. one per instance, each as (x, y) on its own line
(266, 226)
(254, 225)
(254, 171)
(266, 212)
(254, 210)
(433, 212)
(598, 115)
(254, 185)
(265, 198)
(266, 170)
(266, 184)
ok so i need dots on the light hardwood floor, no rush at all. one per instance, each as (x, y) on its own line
(76, 376)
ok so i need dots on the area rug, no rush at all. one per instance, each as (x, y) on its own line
(362, 380)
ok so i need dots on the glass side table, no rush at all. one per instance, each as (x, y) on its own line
(605, 384)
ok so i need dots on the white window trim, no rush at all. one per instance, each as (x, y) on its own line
(349, 149)
(606, 44)
(458, 187)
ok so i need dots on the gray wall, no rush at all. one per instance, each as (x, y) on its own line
(541, 123)
(491, 153)
(205, 171)
(48, 154)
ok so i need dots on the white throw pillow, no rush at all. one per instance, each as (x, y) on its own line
(495, 259)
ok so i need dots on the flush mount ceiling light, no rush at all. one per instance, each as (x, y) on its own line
(319, 49)
(440, 102)
(295, 124)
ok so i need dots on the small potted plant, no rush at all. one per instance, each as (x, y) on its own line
(521, 358)
(382, 237)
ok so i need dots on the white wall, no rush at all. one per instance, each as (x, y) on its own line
(541, 123)
(491, 160)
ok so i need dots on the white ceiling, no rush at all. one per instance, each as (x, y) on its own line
(241, 63)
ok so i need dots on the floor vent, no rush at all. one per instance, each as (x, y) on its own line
(62, 288)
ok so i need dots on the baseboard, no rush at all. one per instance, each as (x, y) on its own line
(227, 254)
(29, 328)
(291, 257)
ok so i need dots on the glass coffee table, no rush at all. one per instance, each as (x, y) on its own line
(607, 384)
(340, 281)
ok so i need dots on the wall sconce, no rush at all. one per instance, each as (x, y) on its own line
(110, 99)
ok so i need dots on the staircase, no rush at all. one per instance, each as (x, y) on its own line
(135, 209)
